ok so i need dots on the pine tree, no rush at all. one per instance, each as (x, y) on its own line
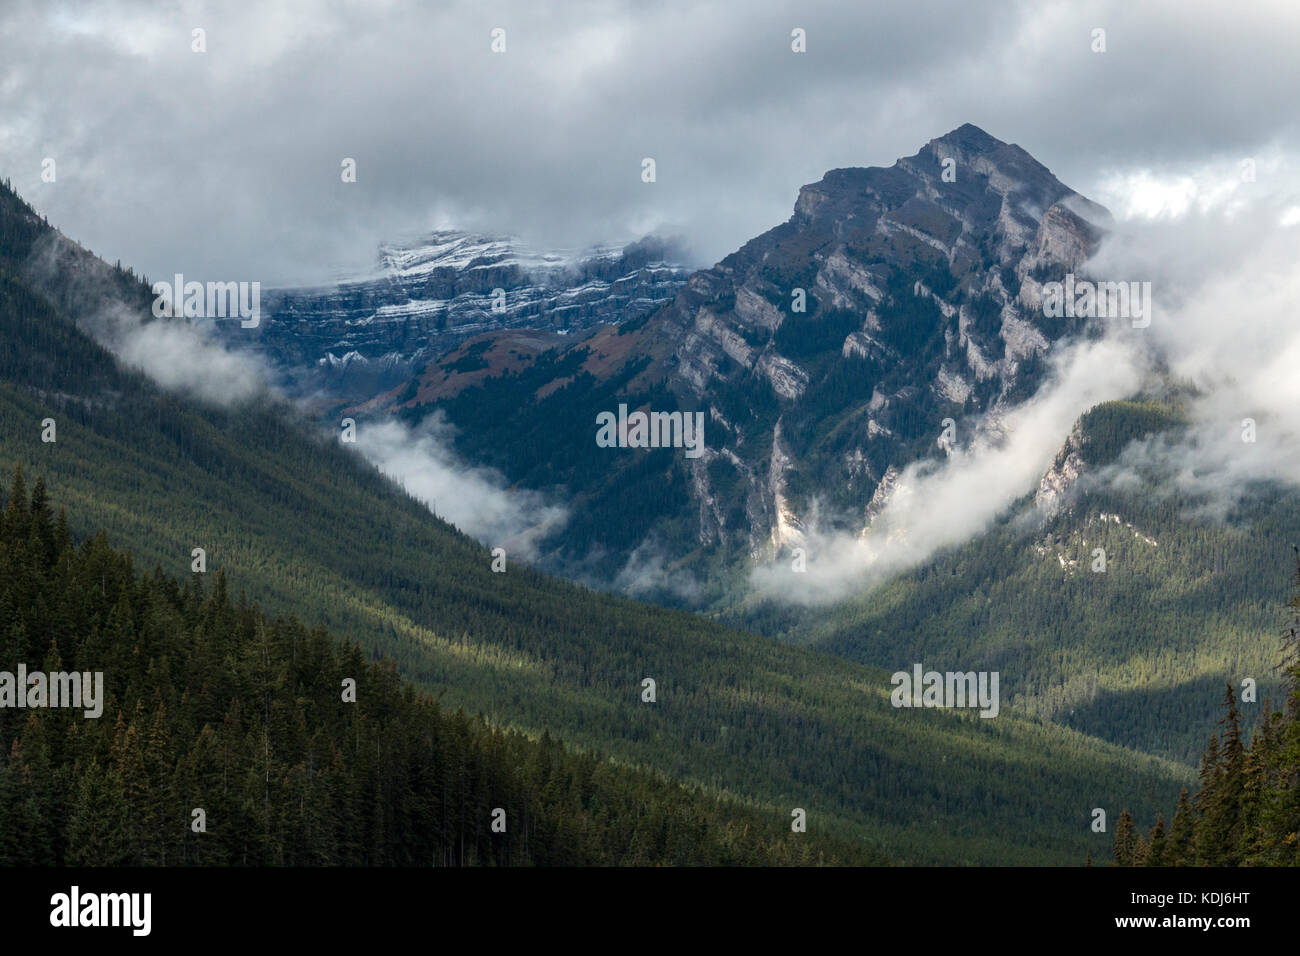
(15, 525)
(1219, 837)
(42, 524)
(1182, 833)
(98, 830)
(1156, 844)
(1125, 840)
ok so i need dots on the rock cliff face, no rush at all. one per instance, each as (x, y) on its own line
(1058, 482)
(920, 292)
(365, 335)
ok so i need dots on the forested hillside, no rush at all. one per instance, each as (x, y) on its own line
(1247, 810)
(305, 527)
(1135, 654)
(210, 705)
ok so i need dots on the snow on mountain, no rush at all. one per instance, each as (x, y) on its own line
(366, 333)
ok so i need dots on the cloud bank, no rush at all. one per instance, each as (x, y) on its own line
(476, 500)
(546, 139)
(938, 506)
(1227, 256)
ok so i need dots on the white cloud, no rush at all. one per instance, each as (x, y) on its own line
(1229, 271)
(476, 500)
(181, 355)
(939, 506)
(184, 357)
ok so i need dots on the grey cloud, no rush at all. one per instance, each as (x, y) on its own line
(225, 165)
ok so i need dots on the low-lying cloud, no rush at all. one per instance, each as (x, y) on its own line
(1227, 257)
(477, 500)
(181, 355)
(934, 506)
(184, 356)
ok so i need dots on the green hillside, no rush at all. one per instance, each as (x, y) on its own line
(1136, 655)
(209, 705)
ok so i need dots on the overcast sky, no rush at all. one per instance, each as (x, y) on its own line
(226, 164)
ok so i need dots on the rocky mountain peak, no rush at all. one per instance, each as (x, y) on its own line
(826, 353)
(970, 139)
(893, 298)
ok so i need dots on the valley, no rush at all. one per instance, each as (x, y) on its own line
(300, 525)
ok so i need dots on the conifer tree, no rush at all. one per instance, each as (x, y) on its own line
(1125, 840)
(1181, 849)
(1156, 844)
(1219, 835)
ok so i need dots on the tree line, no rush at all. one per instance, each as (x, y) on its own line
(1246, 811)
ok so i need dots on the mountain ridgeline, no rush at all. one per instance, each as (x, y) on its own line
(349, 341)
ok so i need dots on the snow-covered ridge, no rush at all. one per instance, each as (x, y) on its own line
(455, 250)
(367, 333)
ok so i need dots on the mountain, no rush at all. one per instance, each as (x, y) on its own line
(923, 304)
(302, 526)
(365, 334)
